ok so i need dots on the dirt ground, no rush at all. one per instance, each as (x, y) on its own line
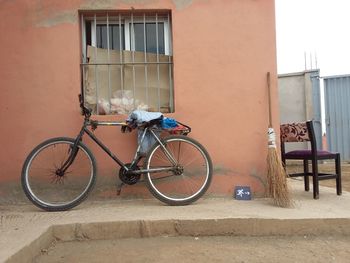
(211, 249)
(203, 249)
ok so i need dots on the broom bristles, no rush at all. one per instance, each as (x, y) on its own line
(277, 180)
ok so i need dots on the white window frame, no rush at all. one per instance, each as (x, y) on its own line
(128, 42)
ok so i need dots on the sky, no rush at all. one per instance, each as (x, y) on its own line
(319, 28)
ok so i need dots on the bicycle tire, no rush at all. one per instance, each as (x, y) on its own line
(47, 190)
(195, 167)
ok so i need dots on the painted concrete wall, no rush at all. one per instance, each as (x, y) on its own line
(295, 97)
(296, 100)
(221, 94)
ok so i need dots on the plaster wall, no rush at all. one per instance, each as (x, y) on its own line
(295, 97)
(221, 94)
(296, 100)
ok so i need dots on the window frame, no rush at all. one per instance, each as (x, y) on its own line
(127, 20)
(129, 44)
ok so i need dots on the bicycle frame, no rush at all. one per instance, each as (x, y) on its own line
(94, 124)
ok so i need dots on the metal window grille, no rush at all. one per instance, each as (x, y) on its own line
(127, 62)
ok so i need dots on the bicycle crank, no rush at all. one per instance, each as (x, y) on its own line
(127, 177)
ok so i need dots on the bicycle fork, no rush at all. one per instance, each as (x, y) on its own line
(72, 155)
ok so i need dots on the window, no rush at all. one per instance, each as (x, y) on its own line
(127, 62)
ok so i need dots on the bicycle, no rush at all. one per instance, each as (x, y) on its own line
(59, 173)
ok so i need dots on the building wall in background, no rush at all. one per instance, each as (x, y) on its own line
(299, 101)
(222, 52)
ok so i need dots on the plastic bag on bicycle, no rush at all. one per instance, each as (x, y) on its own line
(139, 119)
(148, 141)
(155, 120)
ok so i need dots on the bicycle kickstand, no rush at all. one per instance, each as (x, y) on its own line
(119, 188)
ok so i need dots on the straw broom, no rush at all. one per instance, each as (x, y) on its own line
(276, 174)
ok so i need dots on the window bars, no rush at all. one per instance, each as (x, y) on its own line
(127, 62)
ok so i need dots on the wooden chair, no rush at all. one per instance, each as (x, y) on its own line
(304, 132)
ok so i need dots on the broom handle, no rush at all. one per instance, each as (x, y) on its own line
(269, 92)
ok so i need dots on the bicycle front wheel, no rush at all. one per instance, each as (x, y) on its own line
(50, 188)
(191, 174)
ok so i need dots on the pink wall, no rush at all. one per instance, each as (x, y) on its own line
(221, 94)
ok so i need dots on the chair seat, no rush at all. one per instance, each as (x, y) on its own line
(306, 154)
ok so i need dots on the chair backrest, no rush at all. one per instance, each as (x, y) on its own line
(295, 132)
(298, 132)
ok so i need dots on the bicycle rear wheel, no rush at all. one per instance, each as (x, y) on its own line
(190, 177)
(50, 189)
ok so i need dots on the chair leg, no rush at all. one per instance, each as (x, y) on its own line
(306, 175)
(315, 180)
(338, 172)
